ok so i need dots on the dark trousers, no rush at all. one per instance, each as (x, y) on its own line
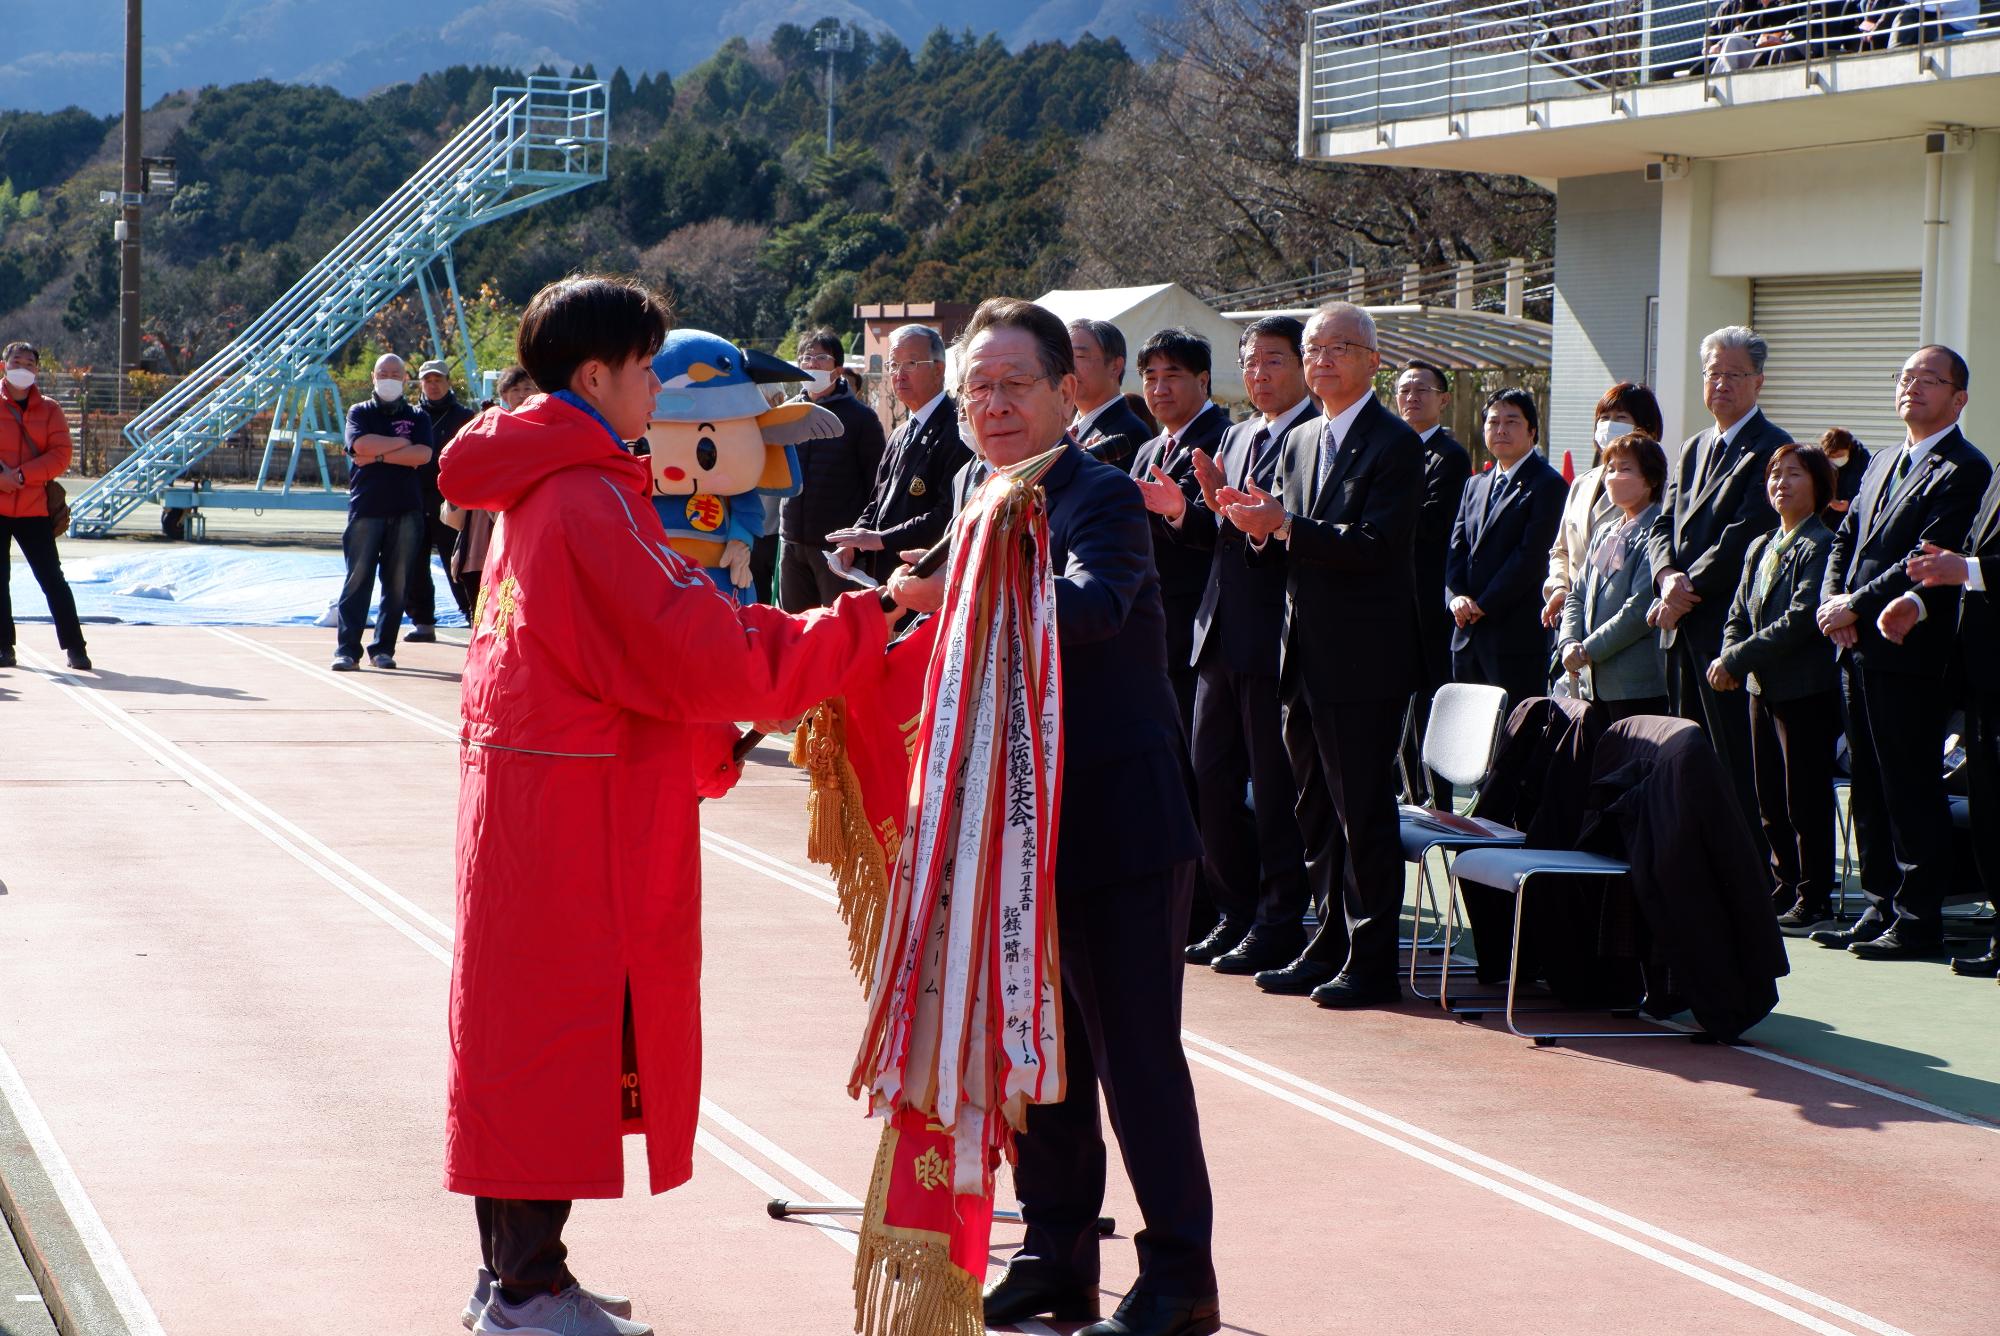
(520, 1242)
(375, 543)
(764, 568)
(1982, 774)
(1791, 751)
(1252, 851)
(1902, 822)
(1121, 976)
(420, 597)
(1724, 717)
(37, 537)
(1342, 762)
(1521, 676)
(804, 579)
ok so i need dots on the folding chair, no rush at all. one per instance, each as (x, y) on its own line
(1510, 870)
(1459, 744)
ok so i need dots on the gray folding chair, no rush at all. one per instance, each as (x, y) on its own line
(1459, 743)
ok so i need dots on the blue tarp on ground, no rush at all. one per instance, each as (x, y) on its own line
(188, 585)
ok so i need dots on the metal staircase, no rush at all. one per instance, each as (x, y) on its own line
(531, 144)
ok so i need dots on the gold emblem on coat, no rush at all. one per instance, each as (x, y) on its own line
(706, 513)
(930, 1170)
(916, 487)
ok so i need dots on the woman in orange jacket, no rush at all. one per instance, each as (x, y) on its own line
(34, 451)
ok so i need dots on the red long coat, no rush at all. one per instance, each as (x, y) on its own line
(601, 677)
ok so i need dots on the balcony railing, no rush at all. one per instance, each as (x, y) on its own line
(1373, 63)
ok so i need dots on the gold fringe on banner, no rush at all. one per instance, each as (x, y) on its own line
(904, 1280)
(838, 834)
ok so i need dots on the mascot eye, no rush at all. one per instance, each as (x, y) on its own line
(704, 453)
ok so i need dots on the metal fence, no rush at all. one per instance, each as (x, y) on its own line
(1517, 287)
(98, 404)
(1372, 63)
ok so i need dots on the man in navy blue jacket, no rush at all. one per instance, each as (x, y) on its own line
(387, 442)
(1124, 869)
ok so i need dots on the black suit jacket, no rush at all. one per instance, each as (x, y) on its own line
(1884, 526)
(1125, 807)
(911, 500)
(1498, 558)
(1242, 611)
(836, 475)
(1350, 628)
(1978, 619)
(1447, 466)
(1777, 637)
(1183, 570)
(1116, 435)
(1704, 531)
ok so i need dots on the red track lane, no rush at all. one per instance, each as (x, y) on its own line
(244, 1064)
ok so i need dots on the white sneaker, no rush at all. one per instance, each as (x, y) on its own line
(568, 1313)
(617, 1305)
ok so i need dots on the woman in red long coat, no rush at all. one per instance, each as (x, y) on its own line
(602, 678)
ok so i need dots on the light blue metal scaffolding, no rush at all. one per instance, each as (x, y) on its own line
(531, 144)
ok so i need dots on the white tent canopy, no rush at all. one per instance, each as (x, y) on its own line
(1142, 312)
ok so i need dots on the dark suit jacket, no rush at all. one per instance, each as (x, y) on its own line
(1447, 467)
(1183, 570)
(836, 475)
(1885, 525)
(1242, 612)
(1777, 638)
(1350, 628)
(1846, 486)
(1125, 807)
(1497, 559)
(911, 500)
(1704, 534)
(1116, 435)
(1978, 620)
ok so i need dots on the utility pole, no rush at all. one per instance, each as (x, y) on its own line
(126, 229)
(834, 41)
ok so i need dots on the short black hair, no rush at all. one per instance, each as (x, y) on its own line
(20, 346)
(1436, 373)
(1636, 404)
(1825, 478)
(1288, 328)
(514, 377)
(1051, 336)
(1520, 399)
(589, 317)
(1183, 347)
(826, 341)
(1961, 374)
(1109, 338)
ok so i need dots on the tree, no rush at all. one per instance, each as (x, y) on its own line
(712, 270)
(94, 296)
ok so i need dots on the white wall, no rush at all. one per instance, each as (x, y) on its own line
(1607, 266)
(1823, 211)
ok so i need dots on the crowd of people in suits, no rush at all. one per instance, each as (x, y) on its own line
(1327, 563)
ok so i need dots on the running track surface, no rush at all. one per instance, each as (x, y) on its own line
(224, 941)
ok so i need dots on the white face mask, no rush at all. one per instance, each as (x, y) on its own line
(1610, 429)
(818, 380)
(388, 391)
(20, 377)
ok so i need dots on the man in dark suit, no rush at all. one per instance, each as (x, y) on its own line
(1252, 852)
(1343, 524)
(1715, 505)
(1124, 863)
(1105, 425)
(1507, 517)
(1895, 639)
(835, 479)
(1423, 393)
(910, 503)
(1977, 569)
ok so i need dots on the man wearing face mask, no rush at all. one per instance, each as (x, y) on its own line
(387, 442)
(34, 451)
(836, 476)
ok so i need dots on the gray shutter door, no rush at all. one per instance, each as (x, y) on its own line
(1837, 341)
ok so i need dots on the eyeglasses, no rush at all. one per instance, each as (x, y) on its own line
(1906, 381)
(1729, 377)
(982, 391)
(1327, 352)
(1270, 365)
(895, 367)
(816, 359)
(1413, 391)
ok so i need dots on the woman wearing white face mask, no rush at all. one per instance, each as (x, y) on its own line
(1605, 642)
(34, 451)
(835, 475)
(1624, 407)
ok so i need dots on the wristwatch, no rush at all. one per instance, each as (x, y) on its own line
(1283, 533)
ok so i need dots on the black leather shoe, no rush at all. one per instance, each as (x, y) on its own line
(1345, 992)
(1900, 943)
(1154, 1315)
(1979, 967)
(1263, 949)
(1803, 916)
(79, 661)
(1221, 940)
(1296, 979)
(1037, 1291)
(1866, 929)
(7, 658)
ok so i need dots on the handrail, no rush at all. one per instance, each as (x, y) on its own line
(1366, 287)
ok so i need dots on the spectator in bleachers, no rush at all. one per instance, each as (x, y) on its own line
(387, 442)
(1605, 642)
(1849, 458)
(1773, 650)
(1625, 407)
(34, 452)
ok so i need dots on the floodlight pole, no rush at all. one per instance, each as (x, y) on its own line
(126, 231)
(833, 41)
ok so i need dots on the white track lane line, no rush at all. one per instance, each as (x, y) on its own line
(812, 884)
(126, 1295)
